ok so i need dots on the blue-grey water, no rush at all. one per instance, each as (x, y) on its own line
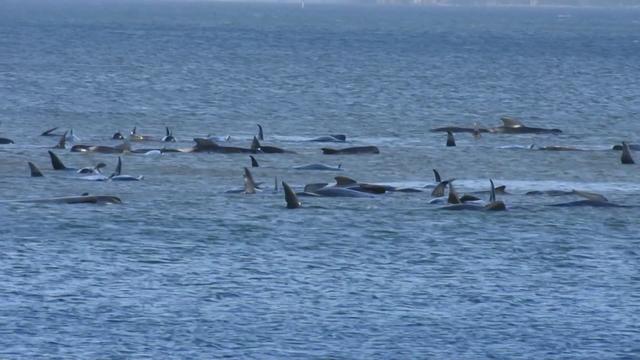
(182, 269)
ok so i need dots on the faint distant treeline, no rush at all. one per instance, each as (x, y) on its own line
(604, 3)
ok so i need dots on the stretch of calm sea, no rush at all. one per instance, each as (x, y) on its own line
(183, 269)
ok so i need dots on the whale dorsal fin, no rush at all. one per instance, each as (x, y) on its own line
(168, 132)
(590, 196)
(345, 181)
(275, 185)
(290, 197)
(453, 195)
(118, 167)
(56, 163)
(511, 122)
(249, 183)
(62, 142)
(492, 198)
(626, 154)
(255, 144)
(451, 141)
(437, 175)
(35, 172)
(133, 132)
(254, 162)
(260, 133)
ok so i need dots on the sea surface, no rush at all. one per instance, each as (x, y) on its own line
(182, 269)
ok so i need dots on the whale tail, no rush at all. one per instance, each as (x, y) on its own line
(626, 154)
(35, 172)
(290, 197)
(451, 141)
(254, 162)
(56, 163)
(260, 133)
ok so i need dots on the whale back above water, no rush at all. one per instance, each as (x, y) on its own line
(351, 150)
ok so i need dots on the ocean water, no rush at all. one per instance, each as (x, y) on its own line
(183, 269)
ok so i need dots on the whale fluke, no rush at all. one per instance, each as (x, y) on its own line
(290, 197)
(437, 175)
(35, 172)
(451, 141)
(626, 154)
(260, 133)
(254, 162)
(56, 163)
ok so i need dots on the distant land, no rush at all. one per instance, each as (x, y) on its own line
(580, 3)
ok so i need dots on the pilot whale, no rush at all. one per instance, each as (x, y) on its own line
(515, 126)
(330, 138)
(256, 147)
(82, 199)
(319, 167)
(5, 141)
(208, 145)
(352, 150)
(492, 205)
(119, 149)
(460, 129)
(589, 199)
